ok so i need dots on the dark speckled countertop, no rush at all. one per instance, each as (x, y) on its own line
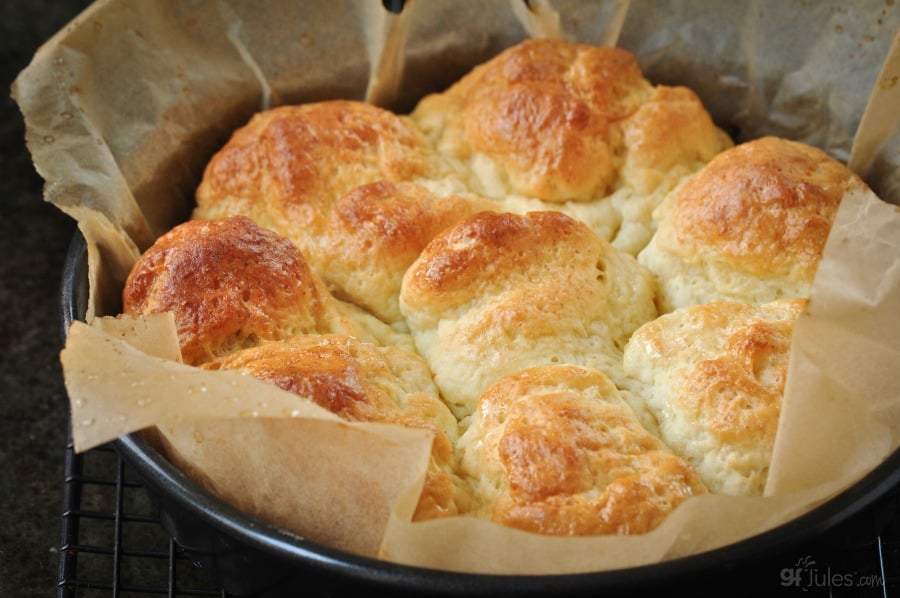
(33, 408)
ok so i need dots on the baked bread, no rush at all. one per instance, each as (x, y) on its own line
(363, 382)
(556, 450)
(493, 268)
(289, 166)
(232, 284)
(501, 292)
(555, 124)
(713, 375)
(376, 231)
(750, 227)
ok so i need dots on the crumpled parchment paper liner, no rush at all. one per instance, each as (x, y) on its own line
(261, 449)
(310, 465)
(700, 524)
(125, 106)
(845, 352)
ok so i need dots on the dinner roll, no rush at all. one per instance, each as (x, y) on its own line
(232, 284)
(556, 124)
(750, 227)
(714, 376)
(376, 231)
(501, 292)
(288, 166)
(555, 450)
(360, 381)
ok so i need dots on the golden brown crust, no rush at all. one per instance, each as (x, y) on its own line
(289, 164)
(469, 257)
(499, 292)
(563, 122)
(232, 284)
(765, 206)
(669, 136)
(229, 283)
(376, 231)
(542, 110)
(750, 227)
(555, 450)
(362, 382)
(714, 377)
(553, 124)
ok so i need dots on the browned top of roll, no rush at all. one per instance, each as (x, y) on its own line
(542, 109)
(549, 115)
(499, 292)
(288, 165)
(458, 264)
(714, 377)
(765, 207)
(228, 282)
(556, 450)
(375, 232)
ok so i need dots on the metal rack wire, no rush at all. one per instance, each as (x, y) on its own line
(112, 545)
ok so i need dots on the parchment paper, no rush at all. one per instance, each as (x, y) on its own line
(125, 106)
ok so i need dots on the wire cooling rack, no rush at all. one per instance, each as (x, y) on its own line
(113, 545)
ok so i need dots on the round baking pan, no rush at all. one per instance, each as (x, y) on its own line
(251, 558)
